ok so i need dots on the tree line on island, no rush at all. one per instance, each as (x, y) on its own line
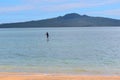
(68, 20)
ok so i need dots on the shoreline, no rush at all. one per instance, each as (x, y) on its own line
(39, 76)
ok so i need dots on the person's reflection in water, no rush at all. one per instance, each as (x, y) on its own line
(47, 35)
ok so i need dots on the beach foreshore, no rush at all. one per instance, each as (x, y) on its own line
(27, 76)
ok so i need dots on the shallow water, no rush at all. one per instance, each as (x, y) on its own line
(76, 50)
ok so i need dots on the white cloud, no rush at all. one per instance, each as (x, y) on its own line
(15, 8)
(113, 12)
(57, 5)
(76, 4)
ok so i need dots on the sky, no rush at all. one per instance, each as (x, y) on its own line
(27, 10)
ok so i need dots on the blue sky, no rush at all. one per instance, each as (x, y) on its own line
(26, 10)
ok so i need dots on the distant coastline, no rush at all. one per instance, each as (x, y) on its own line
(68, 20)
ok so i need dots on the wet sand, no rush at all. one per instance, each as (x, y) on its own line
(24, 76)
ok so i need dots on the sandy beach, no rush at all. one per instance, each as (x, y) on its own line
(24, 76)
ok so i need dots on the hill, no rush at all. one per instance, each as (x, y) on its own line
(68, 20)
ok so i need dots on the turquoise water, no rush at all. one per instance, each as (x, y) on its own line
(91, 50)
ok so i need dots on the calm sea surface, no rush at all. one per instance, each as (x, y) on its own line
(91, 50)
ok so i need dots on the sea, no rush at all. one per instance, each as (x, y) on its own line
(69, 50)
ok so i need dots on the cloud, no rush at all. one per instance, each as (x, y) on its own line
(57, 5)
(62, 7)
(15, 8)
(44, 1)
(78, 4)
(113, 12)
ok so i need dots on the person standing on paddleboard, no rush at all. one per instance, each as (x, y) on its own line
(47, 35)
